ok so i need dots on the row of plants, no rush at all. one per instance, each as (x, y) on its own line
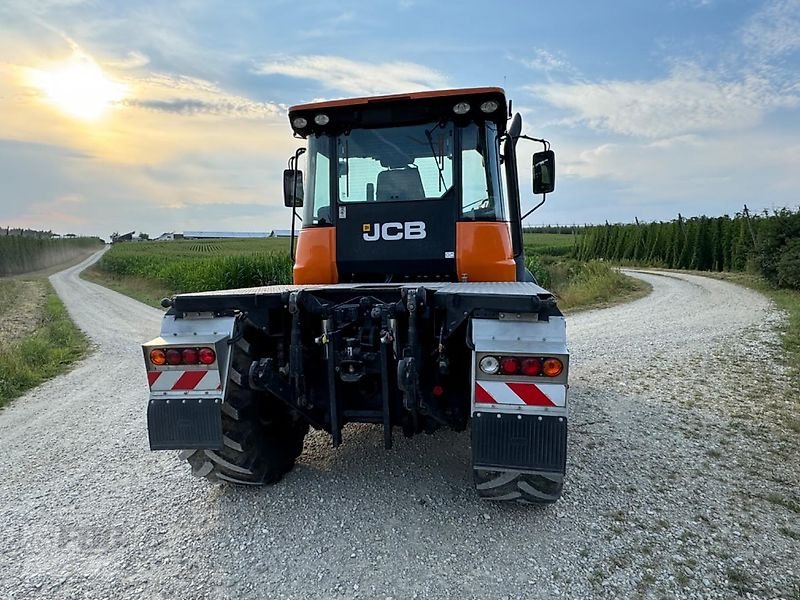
(765, 243)
(23, 254)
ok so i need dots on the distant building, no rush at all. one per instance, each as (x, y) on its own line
(282, 233)
(220, 235)
(164, 237)
(125, 237)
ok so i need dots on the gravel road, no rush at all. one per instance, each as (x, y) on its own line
(682, 480)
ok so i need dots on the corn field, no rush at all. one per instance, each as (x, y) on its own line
(190, 266)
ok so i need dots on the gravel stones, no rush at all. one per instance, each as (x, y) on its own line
(681, 476)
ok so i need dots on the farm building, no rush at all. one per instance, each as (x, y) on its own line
(216, 235)
(281, 233)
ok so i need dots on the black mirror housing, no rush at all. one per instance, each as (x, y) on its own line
(293, 188)
(544, 172)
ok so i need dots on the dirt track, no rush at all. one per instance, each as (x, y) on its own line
(682, 479)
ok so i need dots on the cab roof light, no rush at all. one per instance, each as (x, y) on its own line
(300, 122)
(322, 119)
(461, 108)
(489, 106)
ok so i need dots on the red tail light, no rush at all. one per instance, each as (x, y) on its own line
(531, 366)
(190, 356)
(207, 356)
(509, 365)
(174, 356)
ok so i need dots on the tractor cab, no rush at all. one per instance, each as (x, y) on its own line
(410, 188)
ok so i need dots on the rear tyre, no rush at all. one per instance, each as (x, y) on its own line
(516, 486)
(261, 438)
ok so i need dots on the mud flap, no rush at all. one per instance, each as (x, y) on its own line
(184, 423)
(531, 443)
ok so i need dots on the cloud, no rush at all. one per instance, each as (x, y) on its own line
(355, 77)
(239, 107)
(688, 100)
(189, 96)
(546, 61)
(775, 29)
(133, 60)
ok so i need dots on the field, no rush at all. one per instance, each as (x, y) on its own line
(149, 271)
(194, 266)
(19, 254)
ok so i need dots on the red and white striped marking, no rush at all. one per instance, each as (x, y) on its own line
(178, 381)
(526, 394)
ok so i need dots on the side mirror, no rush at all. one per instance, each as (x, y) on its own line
(292, 188)
(544, 172)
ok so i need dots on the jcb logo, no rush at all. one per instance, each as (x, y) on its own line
(410, 230)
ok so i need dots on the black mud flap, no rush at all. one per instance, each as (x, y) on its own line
(184, 423)
(519, 442)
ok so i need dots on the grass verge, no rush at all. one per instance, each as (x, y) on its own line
(147, 291)
(785, 299)
(583, 286)
(55, 345)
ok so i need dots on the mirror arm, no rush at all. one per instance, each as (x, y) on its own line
(527, 214)
(293, 165)
(542, 141)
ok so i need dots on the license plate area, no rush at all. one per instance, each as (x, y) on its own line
(184, 423)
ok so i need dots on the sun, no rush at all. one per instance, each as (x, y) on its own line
(79, 88)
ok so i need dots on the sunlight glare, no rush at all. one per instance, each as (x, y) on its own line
(79, 87)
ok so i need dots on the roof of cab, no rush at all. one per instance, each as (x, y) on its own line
(397, 97)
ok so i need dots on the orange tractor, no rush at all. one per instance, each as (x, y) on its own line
(411, 306)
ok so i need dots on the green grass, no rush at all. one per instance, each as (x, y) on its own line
(580, 285)
(48, 351)
(147, 291)
(549, 244)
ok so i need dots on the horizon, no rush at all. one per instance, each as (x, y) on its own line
(131, 116)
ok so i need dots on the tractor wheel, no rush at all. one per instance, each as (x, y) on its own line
(516, 486)
(261, 439)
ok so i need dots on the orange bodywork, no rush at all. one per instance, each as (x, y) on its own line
(484, 252)
(316, 256)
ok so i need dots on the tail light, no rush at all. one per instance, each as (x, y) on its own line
(158, 357)
(529, 366)
(509, 365)
(182, 356)
(207, 356)
(552, 367)
(174, 356)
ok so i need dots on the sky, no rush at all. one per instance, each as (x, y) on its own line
(124, 115)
